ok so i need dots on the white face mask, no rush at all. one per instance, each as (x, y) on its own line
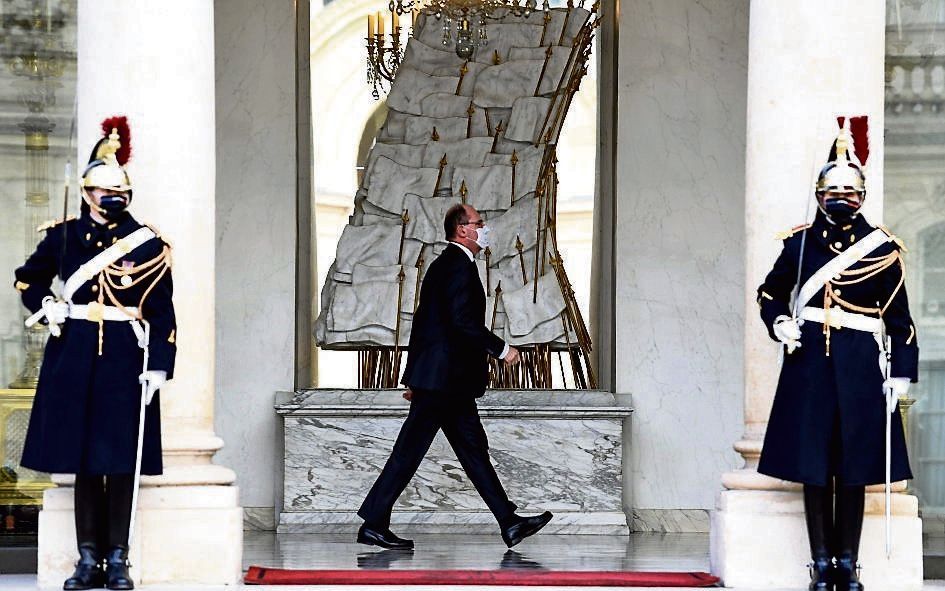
(482, 237)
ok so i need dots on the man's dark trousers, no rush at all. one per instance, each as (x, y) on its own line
(431, 411)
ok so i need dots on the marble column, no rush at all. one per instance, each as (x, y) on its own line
(154, 62)
(808, 62)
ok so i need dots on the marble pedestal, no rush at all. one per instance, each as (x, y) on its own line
(183, 535)
(554, 450)
(759, 540)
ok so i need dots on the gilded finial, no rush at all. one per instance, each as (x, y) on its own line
(108, 148)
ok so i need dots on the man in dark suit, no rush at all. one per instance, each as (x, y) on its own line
(447, 369)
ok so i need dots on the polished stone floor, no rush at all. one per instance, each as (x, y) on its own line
(652, 552)
(648, 552)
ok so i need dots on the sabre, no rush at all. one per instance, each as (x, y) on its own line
(145, 339)
(890, 407)
(800, 257)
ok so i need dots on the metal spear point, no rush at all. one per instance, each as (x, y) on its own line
(416, 291)
(463, 191)
(495, 140)
(403, 235)
(495, 304)
(439, 176)
(521, 258)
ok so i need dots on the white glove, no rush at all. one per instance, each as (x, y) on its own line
(895, 388)
(153, 379)
(788, 331)
(56, 314)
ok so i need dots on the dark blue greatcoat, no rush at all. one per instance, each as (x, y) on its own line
(85, 414)
(828, 417)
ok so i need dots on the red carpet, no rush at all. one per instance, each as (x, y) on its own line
(259, 575)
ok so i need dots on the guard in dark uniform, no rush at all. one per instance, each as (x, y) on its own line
(850, 353)
(112, 344)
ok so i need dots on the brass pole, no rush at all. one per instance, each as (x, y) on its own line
(544, 67)
(462, 76)
(488, 256)
(514, 161)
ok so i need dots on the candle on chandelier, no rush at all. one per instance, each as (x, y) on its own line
(380, 24)
(396, 20)
(370, 26)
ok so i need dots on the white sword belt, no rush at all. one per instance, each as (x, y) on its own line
(840, 318)
(96, 312)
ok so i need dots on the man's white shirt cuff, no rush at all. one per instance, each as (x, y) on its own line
(505, 351)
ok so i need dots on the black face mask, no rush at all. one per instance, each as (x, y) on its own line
(840, 210)
(113, 205)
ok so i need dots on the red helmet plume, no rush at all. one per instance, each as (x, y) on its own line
(120, 124)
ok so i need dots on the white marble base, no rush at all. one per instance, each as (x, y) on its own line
(559, 451)
(259, 519)
(759, 540)
(670, 521)
(184, 535)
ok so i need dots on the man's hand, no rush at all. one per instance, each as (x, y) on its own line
(56, 313)
(895, 388)
(787, 330)
(153, 380)
(512, 357)
(408, 394)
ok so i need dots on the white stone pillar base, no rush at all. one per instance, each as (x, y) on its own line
(759, 540)
(184, 534)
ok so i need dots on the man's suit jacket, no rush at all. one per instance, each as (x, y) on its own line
(449, 341)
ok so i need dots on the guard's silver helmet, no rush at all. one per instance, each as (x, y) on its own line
(843, 176)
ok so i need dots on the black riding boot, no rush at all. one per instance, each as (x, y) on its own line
(818, 510)
(850, 500)
(89, 518)
(120, 488)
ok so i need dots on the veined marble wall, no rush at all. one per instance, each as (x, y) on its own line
(255, 219)
(679, 247)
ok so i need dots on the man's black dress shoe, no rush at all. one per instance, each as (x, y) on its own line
(88, 571)
(375, 536)
(522, 527)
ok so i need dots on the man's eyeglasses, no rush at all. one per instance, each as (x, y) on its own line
(478, 223)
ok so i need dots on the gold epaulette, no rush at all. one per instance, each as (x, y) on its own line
(53, 223)
(157, 234)
(788, 233)
(896, 239)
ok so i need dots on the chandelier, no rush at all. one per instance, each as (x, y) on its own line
(463, 22)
